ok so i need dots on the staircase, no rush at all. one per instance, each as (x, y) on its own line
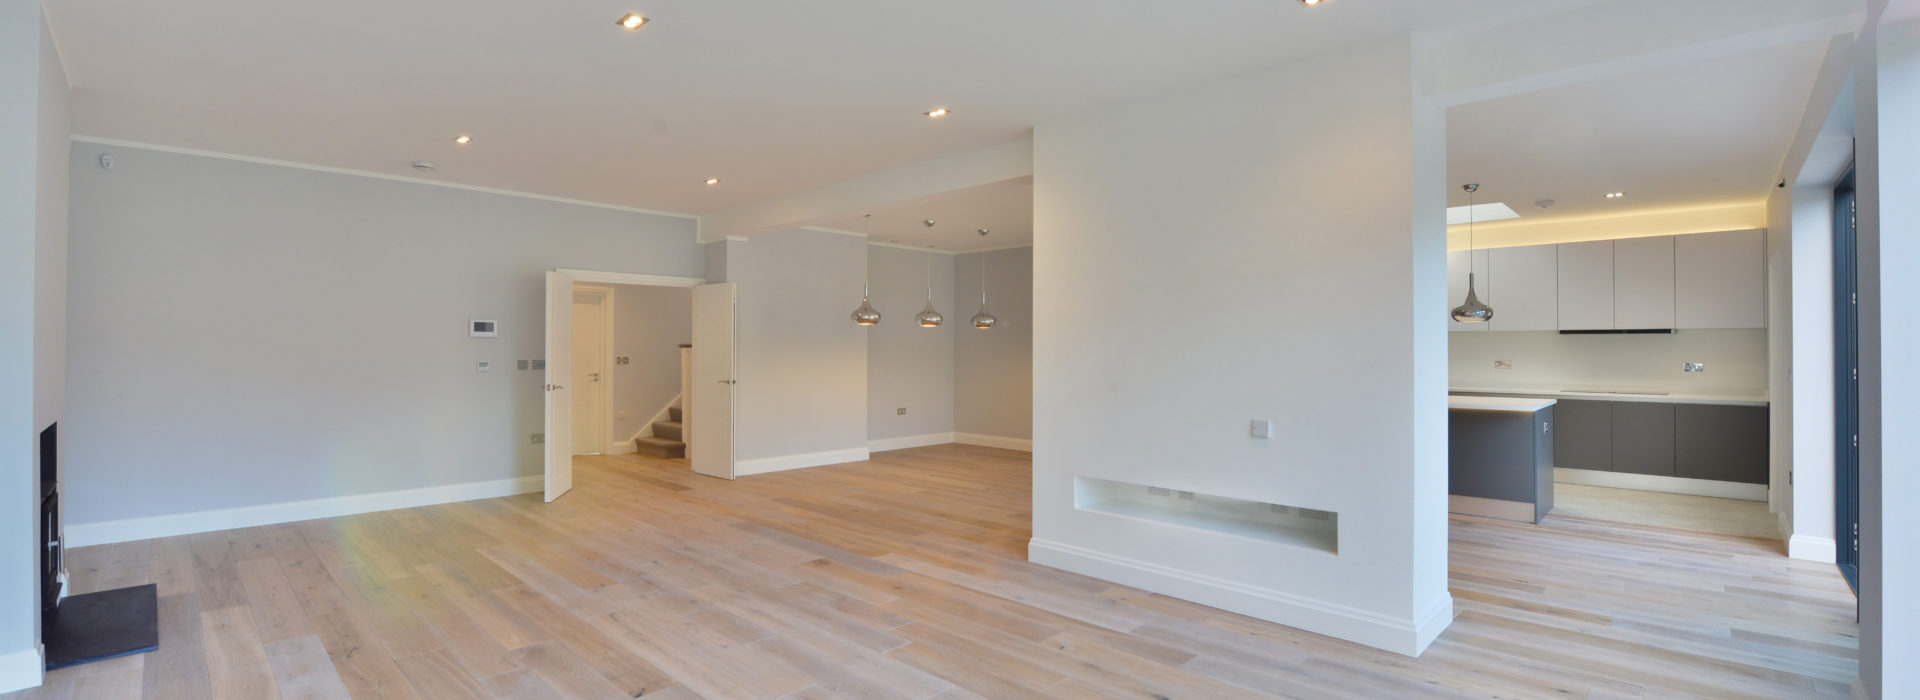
(668, 440)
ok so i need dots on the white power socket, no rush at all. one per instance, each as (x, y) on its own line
(1262, 428)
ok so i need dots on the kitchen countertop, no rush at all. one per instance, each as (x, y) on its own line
(1497, 403)
(1624, 394)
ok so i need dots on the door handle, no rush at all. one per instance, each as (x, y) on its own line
(594, 375)
(554, 387)
(724, 381)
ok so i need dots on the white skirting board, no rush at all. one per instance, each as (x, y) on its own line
(22, 669)
(901, 443)
(763, 465)
(1662, 484)
(1005, 443)
(1809, 548)
(1408, 637)
(86, 534)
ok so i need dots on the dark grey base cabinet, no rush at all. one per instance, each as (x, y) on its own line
(1721, 443)
(1691, 441)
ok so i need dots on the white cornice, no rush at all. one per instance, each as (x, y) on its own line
(378, 176)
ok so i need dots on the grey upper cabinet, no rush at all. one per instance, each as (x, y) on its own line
(1721, 443)
(1721, 280)
(1526, 280)
(1643, 435)
(1457, 268)
(1643, 283)
(1585, 296)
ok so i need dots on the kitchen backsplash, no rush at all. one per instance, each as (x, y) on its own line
(1736, 361)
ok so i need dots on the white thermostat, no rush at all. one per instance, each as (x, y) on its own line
(482, 328)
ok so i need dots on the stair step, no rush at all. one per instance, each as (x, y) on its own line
(670, 429)
(660, 447)
(673, 414)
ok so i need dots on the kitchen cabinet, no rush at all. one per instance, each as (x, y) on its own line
(1584, 301)
(1643, 435)
(1721, 443)
(1526, 280)
(1643, 284)
(1457, 285)
(1584, 435)
(1721, 280)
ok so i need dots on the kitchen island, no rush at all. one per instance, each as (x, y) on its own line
(1500, 457)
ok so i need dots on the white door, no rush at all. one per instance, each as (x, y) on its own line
(559, 438)
(589, 372)
(713, 380)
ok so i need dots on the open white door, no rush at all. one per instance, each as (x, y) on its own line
(559, 433)
(713, 380)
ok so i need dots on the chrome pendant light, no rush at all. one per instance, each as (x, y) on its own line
(983, 320)
(929, 318)
(1471, 311)
(866, 315)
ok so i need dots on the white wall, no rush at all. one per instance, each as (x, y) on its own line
(1736, 361)
(649, 325)
(245, 334)
(1804, 404)
(802, 393)
(909, 366)
(1178, 241)
(33, 242)
(993, 369)
(1887, 91)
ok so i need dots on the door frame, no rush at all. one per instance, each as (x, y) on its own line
(604, 387)
(561, 339)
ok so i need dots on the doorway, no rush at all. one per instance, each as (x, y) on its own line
(592, 341)
(580, 369)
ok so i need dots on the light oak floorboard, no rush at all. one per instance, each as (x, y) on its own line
(906, 576)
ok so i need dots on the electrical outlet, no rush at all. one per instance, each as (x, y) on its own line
(1502, 364)
(900, 411)
(539, 438)
(539, 364)
(1695, 367)
(1262, 429)
(620, 415)
(523, 364)
(621, 360)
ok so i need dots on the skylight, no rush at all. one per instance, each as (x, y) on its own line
(1482, 213)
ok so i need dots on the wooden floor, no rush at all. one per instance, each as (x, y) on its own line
(905, 577)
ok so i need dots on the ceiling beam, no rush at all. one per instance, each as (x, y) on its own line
(926, 180)
(1604, 40)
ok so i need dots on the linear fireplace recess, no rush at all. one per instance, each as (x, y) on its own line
(89, 627)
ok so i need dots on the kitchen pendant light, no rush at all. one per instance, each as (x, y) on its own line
(1471, 311)
(929, 318)
(866, 315)
(983, 320)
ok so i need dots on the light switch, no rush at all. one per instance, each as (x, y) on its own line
(1263, 429)
(1695, 367)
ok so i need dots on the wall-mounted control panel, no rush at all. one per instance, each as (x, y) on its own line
(483, 328)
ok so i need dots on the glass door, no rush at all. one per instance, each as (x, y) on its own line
(1846, 355)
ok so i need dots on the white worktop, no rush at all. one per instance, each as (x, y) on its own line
(1624, 394)
(1497, 403)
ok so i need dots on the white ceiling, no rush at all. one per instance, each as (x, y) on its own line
(772, 96)
(1709, 133)
(1005, 210)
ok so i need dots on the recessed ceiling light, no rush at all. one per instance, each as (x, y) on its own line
(1309, 3)
(463, 139)
(1616, 195)
(937, 112)
(633, 20)
(713, 181)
